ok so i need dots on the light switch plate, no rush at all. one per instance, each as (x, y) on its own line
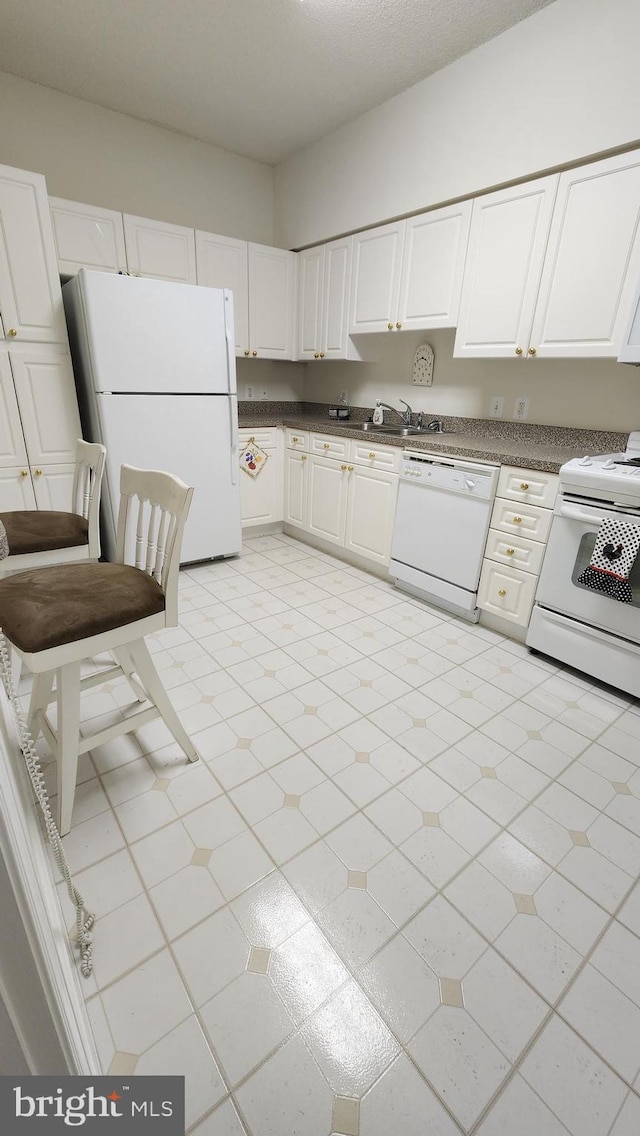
(496, 406)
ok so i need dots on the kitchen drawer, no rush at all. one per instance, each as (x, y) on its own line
(521, 519)
(267, 438)
(528, 485)
(507, 592)
(328, 446)
(515, 551)
(297, 439)
(375, 456)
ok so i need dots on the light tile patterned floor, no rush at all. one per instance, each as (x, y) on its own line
(396, 895)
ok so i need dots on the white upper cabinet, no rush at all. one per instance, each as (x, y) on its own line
(272, 289)
(87, 237)
(222, 262)
(324, 275)
(154, 248)
(30, 296)
(375, 284)
(507, 242)
(435, 246)
(592, 261)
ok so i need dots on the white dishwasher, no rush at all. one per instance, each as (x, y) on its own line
(442, 520)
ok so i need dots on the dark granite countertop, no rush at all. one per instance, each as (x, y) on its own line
(525, 445)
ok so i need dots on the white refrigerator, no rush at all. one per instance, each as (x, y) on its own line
(154, 364)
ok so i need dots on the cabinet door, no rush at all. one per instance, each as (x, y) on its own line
(87, 237)
(221, 262)
(375, 284)
(16, 489)
(338, 257)
(371, 509)
(30, 296)
(154, 248)
(592, 261)
(48, 405)
(261, 496)
(435, 247)
(272, 277)
(507, 242)
(310, 307)
(328, 484)
(12, 447)
(296, 485)
(53, 485)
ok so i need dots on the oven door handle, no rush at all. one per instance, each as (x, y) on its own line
(575, 514)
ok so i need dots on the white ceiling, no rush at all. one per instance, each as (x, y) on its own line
(261, 78)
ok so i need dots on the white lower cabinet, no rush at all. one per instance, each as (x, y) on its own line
(347, 498)
(16, 489)
(261, 496)
(516, 543)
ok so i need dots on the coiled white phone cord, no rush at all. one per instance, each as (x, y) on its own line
(84, 918)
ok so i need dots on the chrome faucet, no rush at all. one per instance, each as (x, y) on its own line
(404, 415)
(436, 426)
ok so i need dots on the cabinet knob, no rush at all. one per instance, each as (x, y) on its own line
(517, 520)
(524, 485)
(390, 326)
(372, 454)
(316, 354)
(350, 468)
(398, 325)
(303, 457)
(343, 467)
(254, 353)
(38, 472)
(502, 591)
(326, 445)
(295, 439)
(518, 351)
(532, 351)
(247, 351)
(511, 552)
(24, 473)
(322, 354)
(12, 332)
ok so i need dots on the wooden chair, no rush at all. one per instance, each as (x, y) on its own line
(39, 537)
(56, 617)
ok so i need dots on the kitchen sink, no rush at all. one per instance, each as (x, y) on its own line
(399, 431)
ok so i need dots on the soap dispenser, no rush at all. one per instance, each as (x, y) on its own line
(378, 414)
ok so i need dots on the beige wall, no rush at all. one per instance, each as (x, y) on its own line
(100, 157)
(586, 393)
(557, 88)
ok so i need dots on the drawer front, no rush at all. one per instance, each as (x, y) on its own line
(507, 592)
(529, 486)
(297, 439)
(514, 551)
(523, 520)
(266, 438)
(374, 456)
(328, 446)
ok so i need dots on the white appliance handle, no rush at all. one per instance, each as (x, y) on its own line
(575, 514)
(233, 420)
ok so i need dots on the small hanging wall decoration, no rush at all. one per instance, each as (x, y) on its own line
(253, 459)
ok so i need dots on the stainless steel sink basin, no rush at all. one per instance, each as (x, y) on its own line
(398, 431)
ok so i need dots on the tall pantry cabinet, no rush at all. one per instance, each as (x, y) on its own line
(39, 420)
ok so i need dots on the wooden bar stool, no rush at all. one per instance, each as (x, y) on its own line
(56, 617)
(39, 537)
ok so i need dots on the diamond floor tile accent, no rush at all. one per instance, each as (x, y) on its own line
(398, 889)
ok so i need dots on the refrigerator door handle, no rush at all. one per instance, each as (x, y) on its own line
(233, 418)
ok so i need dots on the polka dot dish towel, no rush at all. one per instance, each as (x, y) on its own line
(614, 555)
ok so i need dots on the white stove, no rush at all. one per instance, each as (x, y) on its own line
(607, 476)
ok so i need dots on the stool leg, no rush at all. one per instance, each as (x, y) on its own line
(123, 657)
(68, 736)
(153, 684)
(40, 699)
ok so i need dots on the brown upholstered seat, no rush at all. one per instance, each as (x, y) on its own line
(48, 607)
(40, 530)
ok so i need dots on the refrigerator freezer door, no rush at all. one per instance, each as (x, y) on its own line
(192, 436)
(153, 336)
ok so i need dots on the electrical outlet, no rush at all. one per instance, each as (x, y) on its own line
(343, 397)
(250, 393)
(496, 406)
(264, 394)
(521, 408)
